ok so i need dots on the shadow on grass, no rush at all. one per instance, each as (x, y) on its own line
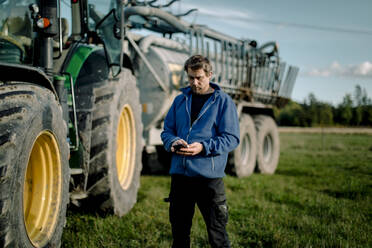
(285, 199)
(348, 194)
(295, 173)
(256, 238)
(91, 207)
(302, 206)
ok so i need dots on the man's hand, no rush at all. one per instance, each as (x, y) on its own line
(191, 150)
(175, 145)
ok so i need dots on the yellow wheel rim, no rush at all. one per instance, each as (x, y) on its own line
(42, 189)
(125, 147)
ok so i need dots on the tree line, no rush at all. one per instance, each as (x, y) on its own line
(354, 110)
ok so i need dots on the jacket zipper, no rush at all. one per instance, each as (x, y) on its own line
(184, 157)
(188, 134)
(205, 109)
(200, 115)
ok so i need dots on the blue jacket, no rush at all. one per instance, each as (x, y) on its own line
(216, 128)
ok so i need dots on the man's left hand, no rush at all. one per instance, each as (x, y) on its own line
(192, 149)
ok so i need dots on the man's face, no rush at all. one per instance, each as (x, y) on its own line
(198, 80)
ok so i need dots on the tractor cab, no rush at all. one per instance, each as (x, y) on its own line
(15, 31)
(96, 22)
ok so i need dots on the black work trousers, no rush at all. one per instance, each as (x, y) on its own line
(209, 195)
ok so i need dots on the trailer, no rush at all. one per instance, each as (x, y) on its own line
(253, 75)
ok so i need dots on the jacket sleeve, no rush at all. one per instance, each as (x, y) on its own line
(228, 133)
(169, 134)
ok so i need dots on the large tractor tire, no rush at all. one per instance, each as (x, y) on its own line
(268, 146)
(245, 154)
(116, 144)
(34, 170)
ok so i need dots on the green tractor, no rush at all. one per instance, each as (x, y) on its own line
(70, 117)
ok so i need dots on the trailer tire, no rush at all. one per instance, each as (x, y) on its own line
(116, 145)
(245, 154)
(34, 170)
(268, 145)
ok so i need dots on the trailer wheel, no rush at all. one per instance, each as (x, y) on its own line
(116, 144)
(268, 146)
(34, 172)
(245, 153)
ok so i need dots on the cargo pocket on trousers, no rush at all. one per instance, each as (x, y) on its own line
(222, 213)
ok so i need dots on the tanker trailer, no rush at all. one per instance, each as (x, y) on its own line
(157, 44)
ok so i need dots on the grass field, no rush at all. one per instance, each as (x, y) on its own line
(320, 196)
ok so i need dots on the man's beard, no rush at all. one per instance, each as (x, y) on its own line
(196, 90)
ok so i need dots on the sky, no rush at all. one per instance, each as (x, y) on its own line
(329, 40)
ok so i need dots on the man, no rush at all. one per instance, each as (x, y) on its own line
(200, 129)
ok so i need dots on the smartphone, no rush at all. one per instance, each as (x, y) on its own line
(178, 147)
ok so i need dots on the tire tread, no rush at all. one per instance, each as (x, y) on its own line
(19, 104)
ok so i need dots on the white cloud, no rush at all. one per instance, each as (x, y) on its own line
(220, 11)
(217, 13)
(335, 69)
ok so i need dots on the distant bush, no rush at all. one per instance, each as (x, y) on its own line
(352, 111)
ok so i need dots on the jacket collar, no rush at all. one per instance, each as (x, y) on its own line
(187, 90)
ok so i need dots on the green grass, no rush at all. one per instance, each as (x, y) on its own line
(320, 196)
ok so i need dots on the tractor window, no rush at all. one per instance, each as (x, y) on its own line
(104, 18)
(15, 30)
(15, 19)
(97, 10)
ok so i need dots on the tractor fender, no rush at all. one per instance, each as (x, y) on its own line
(92, 59)
(78, 56)
(25, 73)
